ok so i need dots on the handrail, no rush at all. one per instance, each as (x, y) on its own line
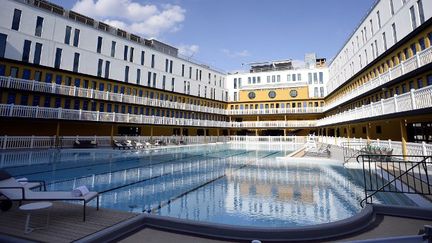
(386, 159)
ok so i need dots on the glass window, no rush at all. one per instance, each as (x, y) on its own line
(57, 60)
(125, 52)
(138, 76)
(107, 69)
(99, 44)
(99, 69)
(413, 49)
(58, 79)
(321, 77)
(113, 47)
(2, 70)
(67, 103)
(3, 39)
(67, 35)
(14, 72)
(153, 62)
(76, 37)
(38, 76)
(413, 18)
(77, 82)
(47, 101)
(429, 80)
(26, 51)
(39, 23)
(422, 44)
(36, 100)
(16, 19)
(126, 74)
(288, 77)
(76, 62)
(420, 83)
(77, 104)
(26, 74)
(131, 54)
(37, 54)
(11, 98)
(142, 57)
(421, 11)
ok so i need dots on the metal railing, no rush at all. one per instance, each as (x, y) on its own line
(279, 124)
(390, 173)
(420, 59)
(270, 111)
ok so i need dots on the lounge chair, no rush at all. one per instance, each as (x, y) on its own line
(15, 191)
(137, 145)
(117, 144)
(323, 151)
(128, 144)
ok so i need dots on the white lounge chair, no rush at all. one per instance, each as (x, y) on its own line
(15, 191)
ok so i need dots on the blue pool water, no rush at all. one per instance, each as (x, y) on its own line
(225, 183)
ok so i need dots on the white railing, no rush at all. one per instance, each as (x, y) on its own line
(280, 124)
(22, 142)
(32, 85)
(11, 110)
(415, 99)
(413, 149)
(420, 59)
(268, 139)
(275, 111)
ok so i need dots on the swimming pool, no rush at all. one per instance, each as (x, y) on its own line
(221, 183)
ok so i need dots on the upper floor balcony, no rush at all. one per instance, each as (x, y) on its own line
(276, 111)
(420, 59)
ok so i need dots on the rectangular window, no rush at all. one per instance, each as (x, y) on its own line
(67, 35)
(16, 19)
(371, 26)
(190, 72)
(113, 47)
(138, 77)
(39, 24)
(126, 78)
(99, 44)
(149, 75)
(413, 18)
(58, 55)
(429, 80)
(76, 62)
(37, 53)
(288, 77)
(379, 19)
(310, 78)
(394, 33)
(299, 77)
(166, 65)
(183, 70)
(293, 77)
(172, 84)
(154, 79)
(99, 69)
(26, 51)
(107, 68)
(315, 78)
(422, 44)
(142, 57)
(321, 77)
(153, 61)
(76, 37)
(391, 7)
(125, 53)
(163, 81)
(413, 49)
(421, 12)
(171, 66)
(3, 39)
(384, 41)
(420, 83)
(131, 54)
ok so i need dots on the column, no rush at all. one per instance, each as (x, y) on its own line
(112, 132)
(404, 138)
(58, 135)
(151, 132)
(367, 133)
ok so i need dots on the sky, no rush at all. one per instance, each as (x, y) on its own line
(226, 34)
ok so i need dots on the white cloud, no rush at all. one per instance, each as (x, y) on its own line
(236, 54)
(188, 50)
(145, 19)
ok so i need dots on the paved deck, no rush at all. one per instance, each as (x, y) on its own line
(65, 224)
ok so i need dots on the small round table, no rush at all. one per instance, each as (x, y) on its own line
(29, 208)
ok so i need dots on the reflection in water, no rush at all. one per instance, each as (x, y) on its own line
(231, 184)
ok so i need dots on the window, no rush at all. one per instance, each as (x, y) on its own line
(37, 53)
(142, 57)
(126, 74)
(131, 55)
(421, 12)
(391, 7)
(149, 75)
(125, 53)
(235, 83)
(378, 129)
(371, 26)
(379, 19)
(299, 76)
(166, 65)
(419, 83)
(153, 61)
(316, 92)
(429, 80)
(26, 51)
(310, 78)
(57, 60)
(413, 18)
(183, 70)
(171, 66)
(138, 77)
(293, 77)
(172, 84)
(113, 47)
(321, 91)
(67, 35)
(76, 62)
(384, 41)
(99, 69)
(394, 33)
(315, 78)
(163, 81)
(422, 44)
(288, 77)
(321, 77)
(76, 37)
(38, 29)
(99, 44)
(154, 79)
(3, 39)
(107, 69)
(413, 49)
(16, 19)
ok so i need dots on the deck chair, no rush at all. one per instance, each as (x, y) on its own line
(117, 144)
(15, 191)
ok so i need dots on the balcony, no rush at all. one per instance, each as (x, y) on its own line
(420, 59)
(274, 124)
(276, 111)
(415, 99)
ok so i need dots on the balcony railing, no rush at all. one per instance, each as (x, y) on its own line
(275, 111)
(420, 59)
(415, 99)
(278, 124)
(11, 110)
(31, 85)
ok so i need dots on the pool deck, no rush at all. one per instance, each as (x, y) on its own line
(65, 224)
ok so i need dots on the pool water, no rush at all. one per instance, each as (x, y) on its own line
(224, 183)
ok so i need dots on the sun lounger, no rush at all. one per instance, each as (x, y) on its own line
(323, 151)
(15, 191)
(117, 144)
(137, 145)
